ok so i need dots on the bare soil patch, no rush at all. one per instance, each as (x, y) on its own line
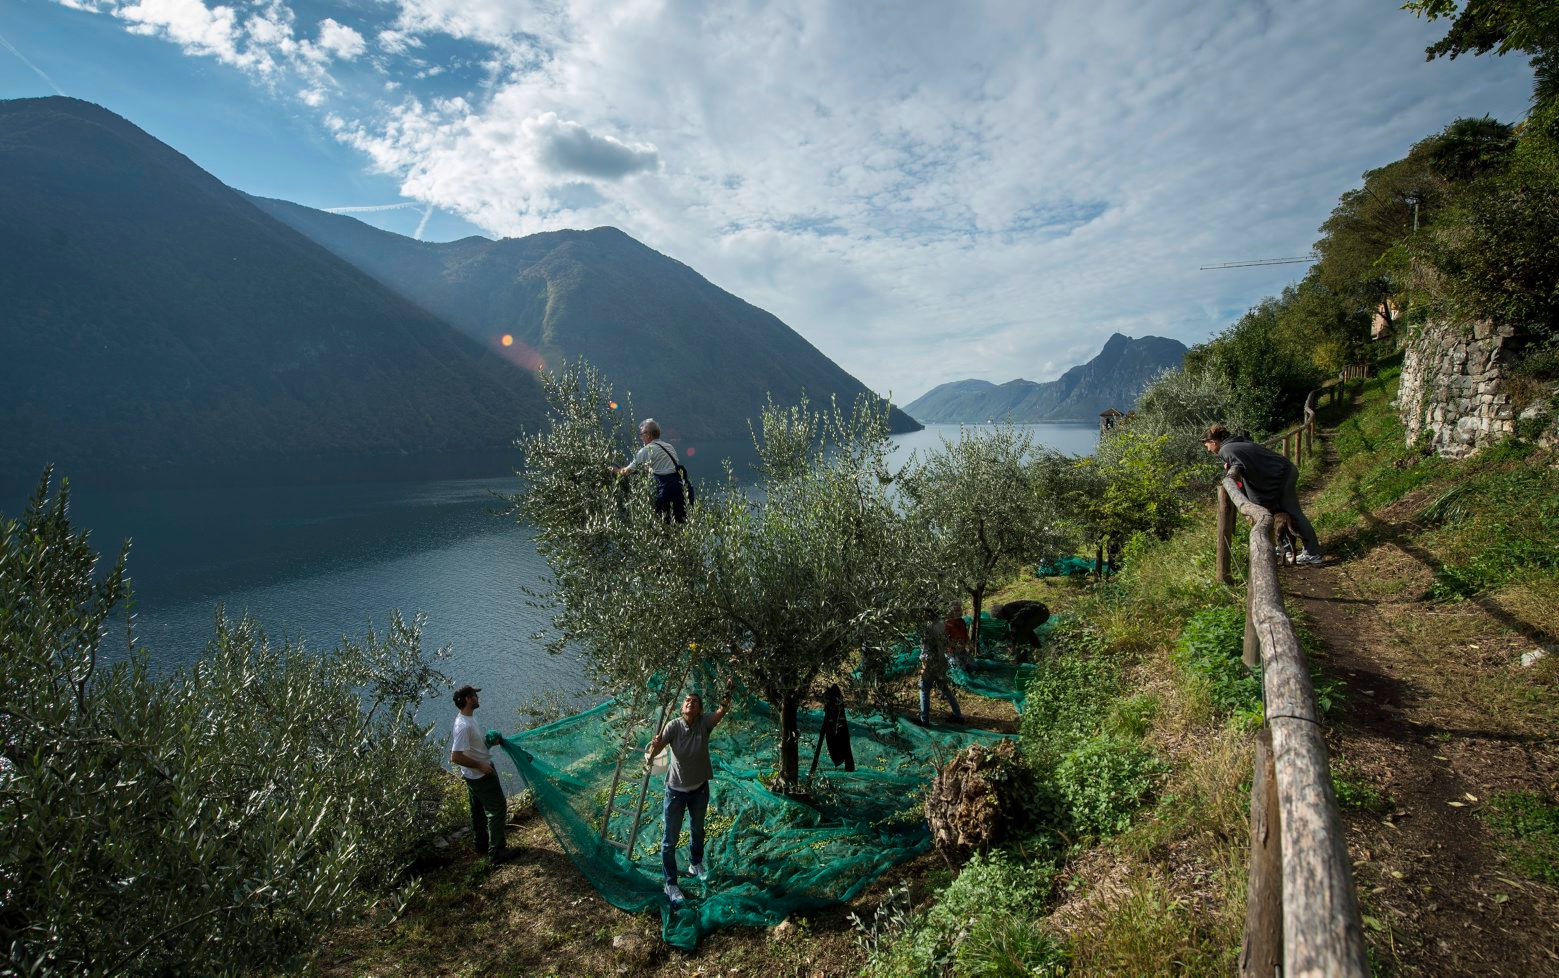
(1437, 718)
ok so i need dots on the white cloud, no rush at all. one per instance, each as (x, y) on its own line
(191, 25)
(396, 42)
(340, 40)
(924, 191)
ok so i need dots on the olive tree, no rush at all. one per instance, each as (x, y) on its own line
(770, 584)
(211, 820)
(984, 505)
(1141, 484)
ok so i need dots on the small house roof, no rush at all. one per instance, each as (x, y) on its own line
(1109, 413)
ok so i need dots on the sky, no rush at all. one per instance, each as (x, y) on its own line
(926, 191)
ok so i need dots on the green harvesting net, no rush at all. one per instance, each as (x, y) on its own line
(768, 855)
(993, 674)
(1065, 567)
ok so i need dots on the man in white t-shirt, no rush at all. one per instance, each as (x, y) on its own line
(468, 752)
(660, 457)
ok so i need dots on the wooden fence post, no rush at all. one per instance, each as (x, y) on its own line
(1262, 950)
(1225, 534)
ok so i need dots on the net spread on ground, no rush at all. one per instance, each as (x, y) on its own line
(767, 855)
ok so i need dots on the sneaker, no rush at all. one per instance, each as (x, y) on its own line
(697, 871)
(1308, 559)
(919, 722)
(674, 893)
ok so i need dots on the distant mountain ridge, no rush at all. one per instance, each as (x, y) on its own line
(699, 359)
(153, 320)
(157, 326)
(1114, 378)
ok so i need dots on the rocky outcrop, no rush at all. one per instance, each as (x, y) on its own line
(1454, 396)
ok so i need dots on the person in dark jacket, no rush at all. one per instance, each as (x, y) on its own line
(1023, 619)
(1270, 480)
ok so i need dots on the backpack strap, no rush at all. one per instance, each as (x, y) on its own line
(676, 464)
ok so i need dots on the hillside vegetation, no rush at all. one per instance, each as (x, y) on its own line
(692, 354)
(153, 320)
(1430, 628)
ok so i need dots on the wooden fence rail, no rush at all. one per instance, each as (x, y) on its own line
(1298, 442)
(1302, 913)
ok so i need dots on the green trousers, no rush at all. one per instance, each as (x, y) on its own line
(488, 813)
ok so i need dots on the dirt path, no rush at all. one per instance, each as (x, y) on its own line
(1421, 734)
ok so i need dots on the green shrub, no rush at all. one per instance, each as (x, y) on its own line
(1210, 649)
(1009, 947)
(1527, 827)
(1069, 696)
(207, 821)
(1132, 717)
(1105, 780)
(991, 906)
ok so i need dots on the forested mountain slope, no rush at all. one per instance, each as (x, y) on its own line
(696, 357)
(154, 320)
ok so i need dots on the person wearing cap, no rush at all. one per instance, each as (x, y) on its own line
(660, 458)
(1270, 480)
(687, 784)
(468, 752)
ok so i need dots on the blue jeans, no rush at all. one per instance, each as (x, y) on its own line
(940, 682)
(695, 803)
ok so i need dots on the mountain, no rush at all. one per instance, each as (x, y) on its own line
(1114, 378)
(695, 357)
(153, 321)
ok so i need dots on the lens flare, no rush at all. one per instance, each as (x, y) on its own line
(613, 404)
(691, 451)
(507, 340)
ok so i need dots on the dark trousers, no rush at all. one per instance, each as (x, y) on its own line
(1288, 501)
(694, 803)
(488, 813)
(670, 502)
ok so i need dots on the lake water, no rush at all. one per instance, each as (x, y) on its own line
(317, 562)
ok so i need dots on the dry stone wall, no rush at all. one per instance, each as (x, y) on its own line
(1453, 391)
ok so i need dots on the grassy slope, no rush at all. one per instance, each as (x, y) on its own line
(1471, 548)
(1167, 895)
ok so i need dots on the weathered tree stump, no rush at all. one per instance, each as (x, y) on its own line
(983, 796)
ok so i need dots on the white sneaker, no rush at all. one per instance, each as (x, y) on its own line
(698, 871)
(1307, 558)
(674, 893)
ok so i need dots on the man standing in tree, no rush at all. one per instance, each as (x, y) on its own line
(1270, 480)
(661, 459)
(687, 784)
(468, 752)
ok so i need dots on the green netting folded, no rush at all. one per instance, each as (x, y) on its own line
(768, 855)
(1065, 567)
